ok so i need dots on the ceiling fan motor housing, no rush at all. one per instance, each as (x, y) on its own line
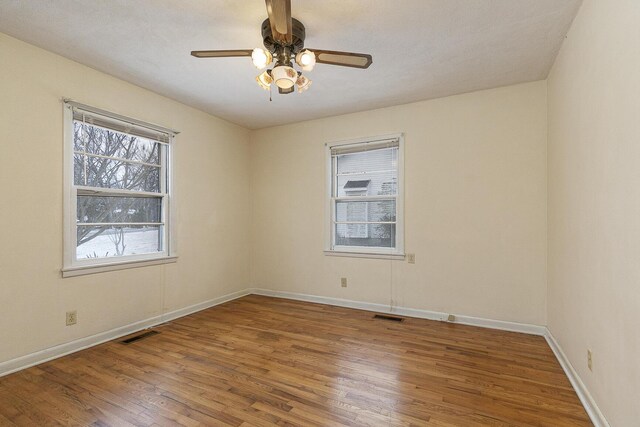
(297, 37)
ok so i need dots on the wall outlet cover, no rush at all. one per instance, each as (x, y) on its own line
(72, 317)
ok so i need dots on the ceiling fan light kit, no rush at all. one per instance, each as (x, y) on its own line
(283, 38)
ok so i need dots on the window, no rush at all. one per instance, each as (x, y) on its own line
(117, 190)
(365, 196)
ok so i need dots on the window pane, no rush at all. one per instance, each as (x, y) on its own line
(377, 184)
(369, 176)
(78, 169)
(108, 173)
(106, 241)
(379, 210)
(368, 161)
(366, 235)
(119, 209)
(97, 140)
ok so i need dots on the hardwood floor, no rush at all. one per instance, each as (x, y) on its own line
(260, 361)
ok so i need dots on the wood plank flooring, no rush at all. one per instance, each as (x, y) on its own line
(260, 361)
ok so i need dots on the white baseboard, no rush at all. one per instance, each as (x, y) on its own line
(409, 312)
(51, 353)
(47, 354)
(597, 418)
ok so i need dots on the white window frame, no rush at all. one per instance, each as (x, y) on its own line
(76, 267)
(360, 251)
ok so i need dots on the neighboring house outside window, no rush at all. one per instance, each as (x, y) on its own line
(357, 211)
(365, 197)
(117, 191)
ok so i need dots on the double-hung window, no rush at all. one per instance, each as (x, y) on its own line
(365, 196)
(118, 189)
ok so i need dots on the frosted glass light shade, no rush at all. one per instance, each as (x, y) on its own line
(261, 58)
(284, 77)
(264, 80)
(306, 60)
(303, 83)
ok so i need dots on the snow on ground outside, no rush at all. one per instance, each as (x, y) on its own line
(136, 242)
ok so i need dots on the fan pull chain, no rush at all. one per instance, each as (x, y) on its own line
(270, 93)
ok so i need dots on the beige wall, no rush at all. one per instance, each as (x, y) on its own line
(594, 203)
(475, 206)
(212, 180)
(251, 205)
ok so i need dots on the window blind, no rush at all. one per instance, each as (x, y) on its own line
(364, 146)
(115, 122)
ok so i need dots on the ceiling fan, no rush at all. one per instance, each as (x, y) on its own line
(283, 38)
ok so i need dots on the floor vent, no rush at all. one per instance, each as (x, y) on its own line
(139, 337)
(387, 317)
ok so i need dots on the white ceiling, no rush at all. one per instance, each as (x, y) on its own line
(421, 49)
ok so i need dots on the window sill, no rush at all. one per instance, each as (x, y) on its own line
(399, 257)
(100, 268)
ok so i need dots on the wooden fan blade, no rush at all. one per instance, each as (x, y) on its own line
(344, 59)
(220, 53)
(279, 12)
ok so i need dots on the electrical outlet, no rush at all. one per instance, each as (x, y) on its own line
(343, 282)
(411, 258)
(590, 360)
(451, 318)
(72, 317)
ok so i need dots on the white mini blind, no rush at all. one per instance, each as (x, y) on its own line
(364, 146)
(122, 124)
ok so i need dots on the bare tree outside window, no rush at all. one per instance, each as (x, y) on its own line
(110, 160)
